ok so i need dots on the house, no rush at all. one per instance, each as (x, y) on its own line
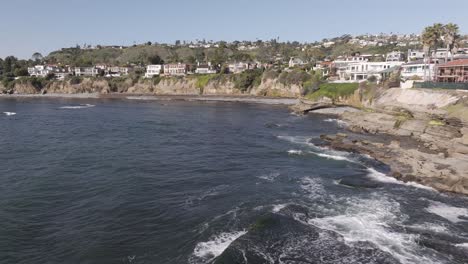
(395, 56)
(363, 70)
(414, 55)
(86, 71)
(153, 70)
(205, 69)
(418, 70)
(115, 71)
(238, 67)
(441, 54)
(39, 71)
(454, 71)
(44, 70)
(178, 69)
(293, 62)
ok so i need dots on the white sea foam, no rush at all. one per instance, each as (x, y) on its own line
(334, 157)
(270, 176)
(450, 213)
(340, 123)
(294, 152)
(215, 247)
(464, 245)
(370, 220)
(278, 207)
(82, 106)
(431, 227)
(381, 177)
(9, 113)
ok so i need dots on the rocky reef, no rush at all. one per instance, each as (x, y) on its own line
(421, 134)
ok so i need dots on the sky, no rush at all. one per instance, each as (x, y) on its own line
(30, 26)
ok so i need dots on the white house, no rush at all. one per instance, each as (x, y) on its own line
(153, 70)
(115, 71)
(363, 70)
(238, 67)
(414, 55)
(178, 69)
(293, 62)
(44, 70)
(205, 69)
(86, 71)
(395, 56)
(418, 70)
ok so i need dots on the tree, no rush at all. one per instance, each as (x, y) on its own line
(431, 39)
(155, 60)
(450, 36)
(37, 57)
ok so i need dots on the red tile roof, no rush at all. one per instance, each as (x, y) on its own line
(463, 62)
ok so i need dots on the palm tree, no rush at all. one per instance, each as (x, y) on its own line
(450, 36)
(430, 39)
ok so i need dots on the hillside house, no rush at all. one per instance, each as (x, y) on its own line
(153, 70)
(205, 69)
(418, 70)
(454, 71)
(86, 71)
(178, 69)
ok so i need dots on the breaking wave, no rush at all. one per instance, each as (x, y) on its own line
(370, 220)
(82, 106)
(381, 177)
(205, 252)
(450, 213)
(294, 152)
(9, 113)
(340, 123)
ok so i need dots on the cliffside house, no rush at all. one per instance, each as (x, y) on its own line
(86, 71)
(153, 70)
(294, 62)
(414, 55)
(363, 70)
(178, 69)
(238, 67)
(44, 70)
(205, 69)
(454, 71)
(418, 70)
(115, 71)
(395, 56)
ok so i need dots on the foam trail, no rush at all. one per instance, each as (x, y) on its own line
(77, 106)
(334, 157)
(340, 123)
(370, 220)
(9, 113)
(215, 247)
(450, 213)
(294, 152)
(381, 177)
(278, 207)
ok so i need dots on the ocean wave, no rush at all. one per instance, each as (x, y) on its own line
(9, 113)
(270, 176)
(334, 157)
(465, 245)
(370, 220)
(82, 106)
(205, 252)
(450, 213)
(381, 177)
(295, 152)
(278, 207)
(340, 123)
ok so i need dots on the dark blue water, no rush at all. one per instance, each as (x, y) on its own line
(121, 181)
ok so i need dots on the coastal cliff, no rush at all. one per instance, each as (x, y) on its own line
(257, 85)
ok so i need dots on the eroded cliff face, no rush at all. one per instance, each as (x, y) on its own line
(164, 86)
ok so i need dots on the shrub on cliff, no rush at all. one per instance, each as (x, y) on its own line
(75, 80)
(248, 79)
(334, 91)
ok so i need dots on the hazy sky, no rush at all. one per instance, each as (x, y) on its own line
(30, 25)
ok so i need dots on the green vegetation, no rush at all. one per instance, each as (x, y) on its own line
(263, 222)
(436, 123)
(334, 91)
(247, 79)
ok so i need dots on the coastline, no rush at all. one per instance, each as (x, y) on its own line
(152, 97)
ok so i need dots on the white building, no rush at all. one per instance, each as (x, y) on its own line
(86, 71)
(418, 70)
(293, 62)
(115, 71)
(238, 67)
(414, 55)
(363, 70)
(44, 70)
(178, 69)
(153, 70)
(205, 69)
(395, 56)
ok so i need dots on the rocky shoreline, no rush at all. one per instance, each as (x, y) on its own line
(422, 141)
